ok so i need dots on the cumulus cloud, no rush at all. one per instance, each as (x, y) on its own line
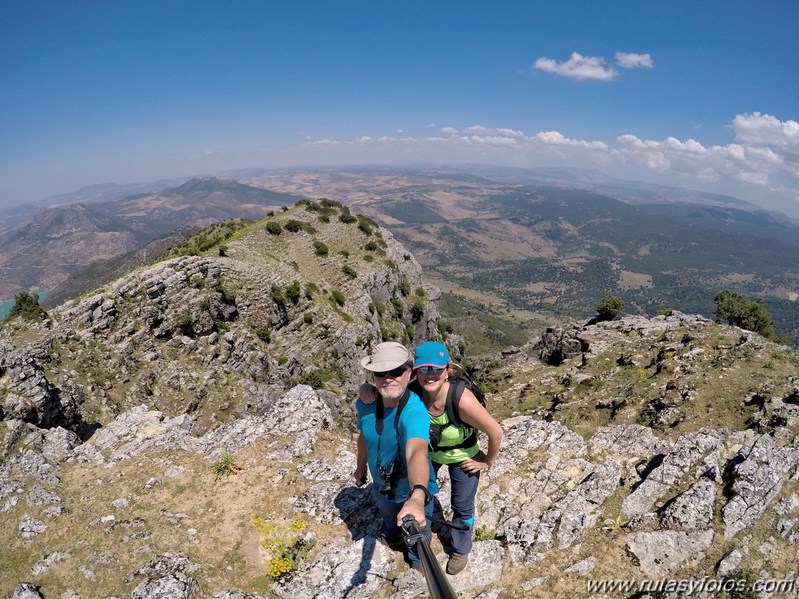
(765, 149)
(632, 61)
(765, 152)
(764, 129)
(555, 138)
(578, 67)
(593, 67)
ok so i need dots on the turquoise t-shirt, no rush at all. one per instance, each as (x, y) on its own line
(414, 422)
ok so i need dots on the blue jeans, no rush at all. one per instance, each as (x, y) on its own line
(463, 492)
(389, 508)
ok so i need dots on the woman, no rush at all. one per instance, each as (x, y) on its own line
(464, 461)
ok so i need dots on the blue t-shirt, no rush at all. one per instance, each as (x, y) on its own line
(414, 422)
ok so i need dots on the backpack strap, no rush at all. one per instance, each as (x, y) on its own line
(454, 394)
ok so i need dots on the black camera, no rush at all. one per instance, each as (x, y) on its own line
(390, 476)
(435, 435)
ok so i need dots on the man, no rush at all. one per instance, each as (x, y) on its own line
(395, 447)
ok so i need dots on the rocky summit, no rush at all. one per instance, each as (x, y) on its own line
(186, 431)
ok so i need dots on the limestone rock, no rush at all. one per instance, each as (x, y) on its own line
(661, 552)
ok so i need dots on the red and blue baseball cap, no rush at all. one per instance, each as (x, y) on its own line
(431, 353)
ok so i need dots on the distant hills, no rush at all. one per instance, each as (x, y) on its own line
(59, 241)
(504, 244)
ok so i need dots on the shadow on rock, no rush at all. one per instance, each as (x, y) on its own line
(359, 512)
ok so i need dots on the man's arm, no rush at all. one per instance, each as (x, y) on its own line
(418, 474)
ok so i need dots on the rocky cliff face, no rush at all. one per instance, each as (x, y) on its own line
(151, 424)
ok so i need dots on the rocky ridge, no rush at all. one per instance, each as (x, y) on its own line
(128, 503)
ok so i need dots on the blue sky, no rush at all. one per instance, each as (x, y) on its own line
(699, 94)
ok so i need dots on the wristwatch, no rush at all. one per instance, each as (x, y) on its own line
(427, 496)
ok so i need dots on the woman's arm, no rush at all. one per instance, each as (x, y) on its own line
(473, 413)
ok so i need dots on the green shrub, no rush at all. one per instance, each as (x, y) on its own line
(313, 379)
(417, 306)
(483, 533)
(197, 282)
(264, 333)
(444, 328)
(347, 217)
(277, 296)
(404, 286)
(320, 248)
(185, 322)
(273, 228)
(225, 465)
(364, 228)
(349, 271)
(293, 226)
(377, 306)
(228, 296)
(399, 309)
(311, 289)
(371, 246)
(338, 297)
(610, 308)
(293, 292)
(308, 317)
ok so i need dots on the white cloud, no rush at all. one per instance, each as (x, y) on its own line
(578, 67)
(555, 138)
(764, 129)
(631, 61)
(487, 131)
(764, 154)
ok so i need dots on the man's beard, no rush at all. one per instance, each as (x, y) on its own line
(393, 391)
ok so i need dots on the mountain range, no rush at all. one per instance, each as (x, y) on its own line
(511, 247)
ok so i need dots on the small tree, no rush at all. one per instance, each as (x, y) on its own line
(610, 308)
(26, 306)
(745, 313)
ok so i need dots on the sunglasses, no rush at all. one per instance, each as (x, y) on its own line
(399, 371)
(433, 369)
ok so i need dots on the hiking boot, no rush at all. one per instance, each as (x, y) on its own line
(457, 562)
